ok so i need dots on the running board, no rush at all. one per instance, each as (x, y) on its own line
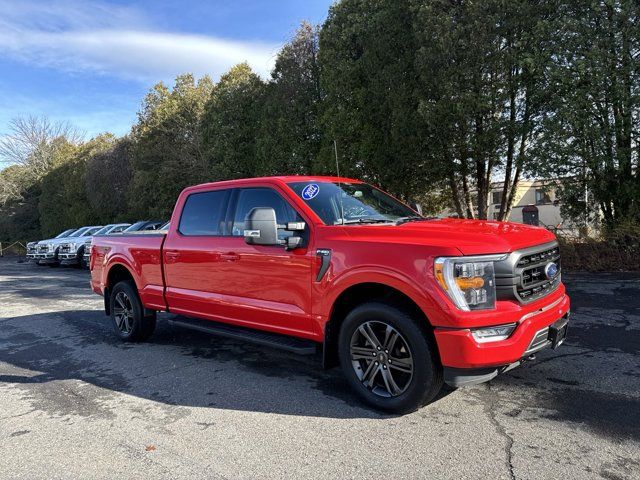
(291, 344)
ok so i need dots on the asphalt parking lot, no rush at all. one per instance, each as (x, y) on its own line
(76, 402)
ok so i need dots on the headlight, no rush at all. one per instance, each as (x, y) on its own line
(468, 281)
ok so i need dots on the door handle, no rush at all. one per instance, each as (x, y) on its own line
(229, 257)
(172, 257)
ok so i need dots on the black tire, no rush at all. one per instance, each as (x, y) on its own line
(411, 390)
(56, 262)
(81, 263)
(131, 325)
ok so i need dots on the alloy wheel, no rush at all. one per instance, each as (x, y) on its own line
(381, 359)
(123, 313)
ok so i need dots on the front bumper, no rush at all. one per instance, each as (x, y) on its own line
(68, 258)
(459, 350)
(47, 258)
(552, 336)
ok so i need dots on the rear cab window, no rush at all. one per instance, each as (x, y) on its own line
(204, 213)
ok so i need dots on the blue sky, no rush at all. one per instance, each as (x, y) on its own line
(91, 62)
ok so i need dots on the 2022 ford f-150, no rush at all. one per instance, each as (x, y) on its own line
(403, 303)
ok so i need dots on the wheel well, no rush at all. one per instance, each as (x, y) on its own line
(116, 274)
(357, 295)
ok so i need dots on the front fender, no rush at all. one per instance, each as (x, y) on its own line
(334, 287)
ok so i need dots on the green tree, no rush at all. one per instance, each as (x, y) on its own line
(593, 135)
(231, 124)
(166, 155)
(108, 179)
(31, 147)
(64, 202)
(19, 194)
(484, 68)
(290, 136)
(367, 55)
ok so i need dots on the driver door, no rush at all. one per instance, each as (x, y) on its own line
(267, 286)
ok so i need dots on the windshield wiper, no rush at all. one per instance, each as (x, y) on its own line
(366, 220)
(413, 218)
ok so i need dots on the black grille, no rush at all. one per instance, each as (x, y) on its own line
(42, 249)
(544, 256)
(523, 275)
(64, 248)
(532, 275)
(539, 290)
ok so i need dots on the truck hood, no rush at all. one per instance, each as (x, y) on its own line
(55, 240)
(470, 237)
(80, 240)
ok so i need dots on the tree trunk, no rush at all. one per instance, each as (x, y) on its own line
(455, 193)
(481, 170)
(504, 204)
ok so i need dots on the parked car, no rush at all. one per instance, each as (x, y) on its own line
(142, 225)
(47, 250)
(31, 250)
(71, 252)
(402, 302)
(32, 247)
(85, 249)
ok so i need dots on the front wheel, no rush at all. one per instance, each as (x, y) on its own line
(388, 359)
(128, 315)
(81, 262)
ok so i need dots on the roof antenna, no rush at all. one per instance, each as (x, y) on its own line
(335, 150)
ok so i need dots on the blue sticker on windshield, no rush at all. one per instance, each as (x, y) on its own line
(310, 191)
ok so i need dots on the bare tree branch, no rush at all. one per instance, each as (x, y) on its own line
(32, 142)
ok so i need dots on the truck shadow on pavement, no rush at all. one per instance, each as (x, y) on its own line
(46, 356)
(176, 367)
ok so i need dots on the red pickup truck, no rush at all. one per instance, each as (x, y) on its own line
(402, 302)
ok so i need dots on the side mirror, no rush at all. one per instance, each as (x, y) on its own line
(261, 227)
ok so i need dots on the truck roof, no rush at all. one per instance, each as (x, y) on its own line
(279, 179)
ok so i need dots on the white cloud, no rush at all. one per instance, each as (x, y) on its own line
(90, 36)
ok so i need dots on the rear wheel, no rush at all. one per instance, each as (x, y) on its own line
(388, 359)
(128, 315)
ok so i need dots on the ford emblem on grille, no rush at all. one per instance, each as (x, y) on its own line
(550, 270)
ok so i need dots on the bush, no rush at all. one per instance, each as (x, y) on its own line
(615, 249)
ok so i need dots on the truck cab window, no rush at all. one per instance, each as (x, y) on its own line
(203, 213)
(249, 198)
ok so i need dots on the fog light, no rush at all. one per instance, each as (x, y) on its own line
(493, 334)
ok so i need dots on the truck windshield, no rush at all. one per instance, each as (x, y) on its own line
(104, 230)
(351, 203)
(66, 233)
(79, 232)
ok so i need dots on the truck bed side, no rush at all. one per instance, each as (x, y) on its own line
(114, 257)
